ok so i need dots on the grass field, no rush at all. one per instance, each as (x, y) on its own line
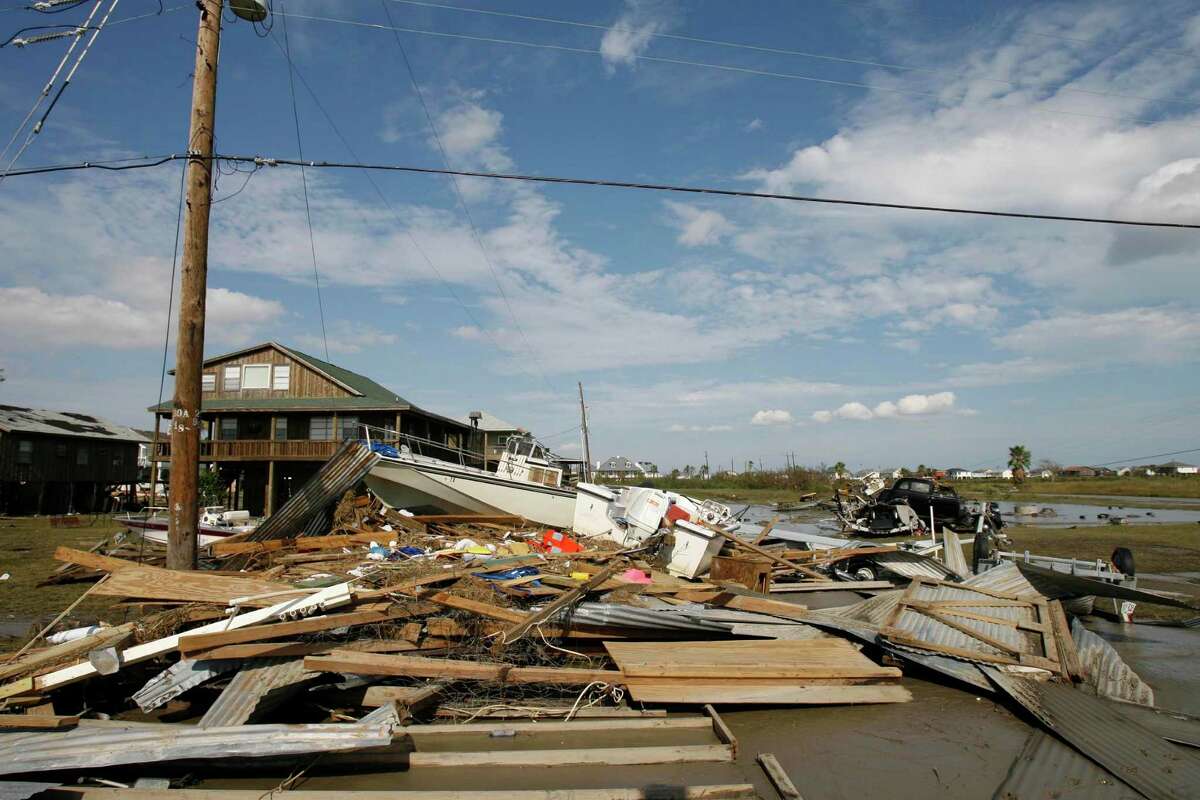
(26, 553)
(1177, 486)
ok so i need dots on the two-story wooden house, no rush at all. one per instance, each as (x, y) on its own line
(272, 415)
(54, 462)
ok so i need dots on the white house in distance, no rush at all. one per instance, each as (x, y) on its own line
(623, 468)
(1178, 468)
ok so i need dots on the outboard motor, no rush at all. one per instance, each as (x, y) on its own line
(1122, 560)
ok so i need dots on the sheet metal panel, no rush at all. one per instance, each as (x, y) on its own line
(255, 688)
(187, 673)
(1047, 768)
(1134, 754)
(1174, 726)
(103, 746)
(1005, 578)
(1105, 673)
(1060, 584)
(936, 634)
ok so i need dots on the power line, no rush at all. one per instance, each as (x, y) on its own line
(1155, 455)
(312, 245)
(708, 65)
(462, 201)
(760, 48)
(391, 209)
(162, 376)
(615, 184)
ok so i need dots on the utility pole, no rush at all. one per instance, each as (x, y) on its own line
(189, 345)
(587, 447)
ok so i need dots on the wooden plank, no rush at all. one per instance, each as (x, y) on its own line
(558, 726)
(786, 662)
(36, 721)
(763, 605)
(457, 519)
(256, 633)
(1068, 654)
(827, 586)
(722, 731)
(105, 637)
(733, 692)
(407, 697)
(550, 609)
(767, 554)
(735, 791)
(128, 579)
(594, 756)
(483, 609)
(452, 574)
(553, 712)
(778, 777)
(766, 529)
(416, 667)
(302, 544)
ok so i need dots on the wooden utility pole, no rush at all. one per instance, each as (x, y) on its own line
(587, 447)
(189, 347)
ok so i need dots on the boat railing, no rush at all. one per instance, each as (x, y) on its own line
(379, 438)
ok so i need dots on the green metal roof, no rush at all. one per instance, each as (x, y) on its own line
(368, 388)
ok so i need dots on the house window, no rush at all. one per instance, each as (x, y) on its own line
(25, 452)
(256, 376)
(349, 428)
(118, 459)
(281, 429)
(60, 450)
(283, 378)
(233, 379)
(320, 429)
(81, 456)
(208, 382)
(229, 428)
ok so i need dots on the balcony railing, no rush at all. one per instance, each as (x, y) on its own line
(257, 449)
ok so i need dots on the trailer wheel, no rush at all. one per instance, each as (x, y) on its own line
(1122, 559)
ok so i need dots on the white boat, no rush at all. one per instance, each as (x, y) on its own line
(216, 523)
(527, 483)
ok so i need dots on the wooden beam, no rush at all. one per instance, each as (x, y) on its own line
(456, 519)
(656, 792)
(105, 637)
(36, 721)
(778, 777)
(593, 756)
(826, 586)
(552, 608)
(753, 548)
(257, 633)
(415, 667)
(721, 730)
(483, 609)
(696, 722)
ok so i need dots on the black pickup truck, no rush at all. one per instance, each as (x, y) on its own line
(923, 494)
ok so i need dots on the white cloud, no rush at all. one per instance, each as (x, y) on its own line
(775, 416)
(912, 405)
(346, 337)
(698, 226)
(468, 129)
(1163, 335)
(755, 124)
(680, 428)
(631, 34)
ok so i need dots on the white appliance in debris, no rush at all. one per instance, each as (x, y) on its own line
(693, 550)
(593, 507)
(645, 508)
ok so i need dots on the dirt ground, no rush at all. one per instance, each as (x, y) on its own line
(1156, 548)
(1129, 486)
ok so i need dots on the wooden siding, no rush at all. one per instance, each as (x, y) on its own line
(55, 459)
(303, 382)
(258, 450)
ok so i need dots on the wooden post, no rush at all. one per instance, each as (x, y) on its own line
(154, 463)
(587, 448)
(269, 503)
(189, 351)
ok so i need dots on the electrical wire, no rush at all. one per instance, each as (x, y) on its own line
(162, 375)
(304, 182)
(1153, 455)
(1040, 109)
(462, 201)
(392, 210)
(764, 49)
(655, 187)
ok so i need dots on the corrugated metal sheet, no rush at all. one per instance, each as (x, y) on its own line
(1105, 673)
(341, 472)
(1131, 752)
(103, 746)
(1059, 584)
(937, 635)
(952, 553)
(386, 714)
(914, 565)
(184, 674)
(255, 689)
(1005, 578)
(1174, 726)
(1047, 768)
(612, 614)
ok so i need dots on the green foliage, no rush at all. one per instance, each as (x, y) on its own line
(1019, 459)
(210, 488)
(798, 479)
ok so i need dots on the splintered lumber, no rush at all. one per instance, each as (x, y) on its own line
(303, 544)
(127, 579)
(36, 721)
(778, 777)
(590, 756)
(721, 730)
(419, 732)
(659, 791)
(762, 605)
(802, 671)
(418, 667)
(762, 551)
(453, 574)
(409, 697)
(192, 643)
(826, 586)
(549, 712)
(551, 609)
(483, 609)
(458, 519)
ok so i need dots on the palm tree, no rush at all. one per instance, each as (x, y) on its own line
(839, 469)
(922, 469)
(1019, 459)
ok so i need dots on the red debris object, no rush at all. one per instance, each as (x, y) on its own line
(558, 542)
(675, 514)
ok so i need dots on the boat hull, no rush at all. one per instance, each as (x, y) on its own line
(431, 487)
(155, 530)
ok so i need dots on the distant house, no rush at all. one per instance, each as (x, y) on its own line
(621, 468)
(1045, 473)
(959, 474)
(1077, 472)
(1177, 468)
(493, 434)
(54, 462)
(1124, 471)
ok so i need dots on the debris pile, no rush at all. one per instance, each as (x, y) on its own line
(376, 641)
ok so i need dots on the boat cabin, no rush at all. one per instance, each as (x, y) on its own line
(525, 459)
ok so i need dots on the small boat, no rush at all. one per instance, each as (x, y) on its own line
(216, 523)
(527, 483)
(884, 519)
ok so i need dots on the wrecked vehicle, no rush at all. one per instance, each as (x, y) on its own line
(884, 519)
(926, 496)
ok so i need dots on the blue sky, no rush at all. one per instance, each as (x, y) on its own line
(749, 329)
